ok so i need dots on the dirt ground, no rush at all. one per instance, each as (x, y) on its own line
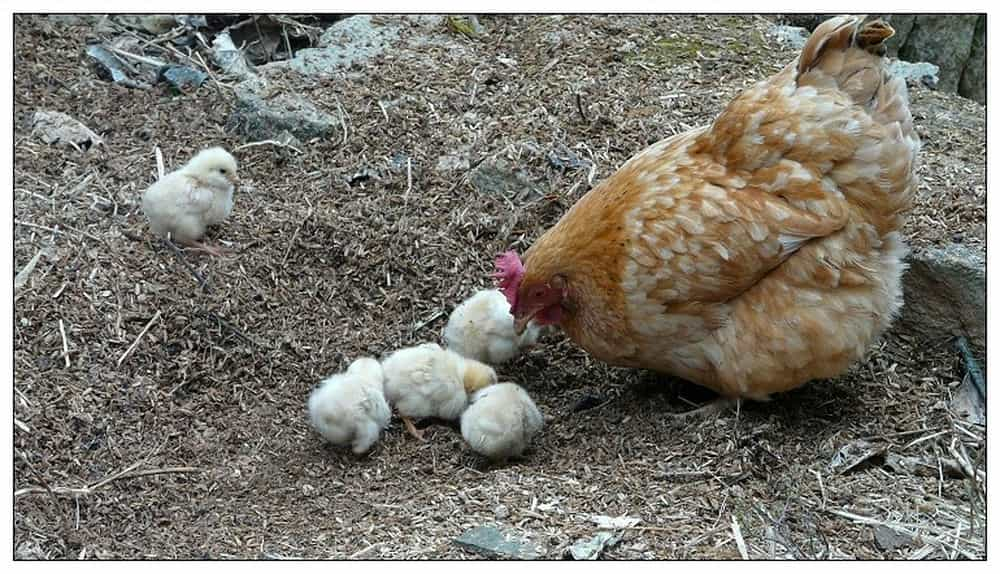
(196, 445)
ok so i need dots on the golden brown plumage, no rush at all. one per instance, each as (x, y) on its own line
(752, 255)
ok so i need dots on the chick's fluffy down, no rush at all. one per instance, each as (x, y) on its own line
(185, 202)
(349, 408)
(501, 421)
(428, 381)
(482, 328)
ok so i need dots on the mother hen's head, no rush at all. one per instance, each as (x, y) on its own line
(541, 303)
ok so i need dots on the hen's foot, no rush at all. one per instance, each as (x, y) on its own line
(715, 407)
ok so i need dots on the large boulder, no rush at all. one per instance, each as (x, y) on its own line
(973, 82)
(945, 294)
(945, 41)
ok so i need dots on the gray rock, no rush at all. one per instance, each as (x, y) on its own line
(945, 294)
(945, 40)
(152, 23)
(74, 19)
(263, 118)
(59, 128)
(592, 548)
(500, 178)
(111, 68)
(453, 162)
(229, 58)
(346, 44)
(793, 36)
(182, 78)
(493, 543)
(903, 25)
(856, 455)
(919, 72)
(973, 82)
(888, 539)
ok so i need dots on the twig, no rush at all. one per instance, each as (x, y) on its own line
(294, 237)
(231, 328)
(425, 322)
(159, 162)
(137, 339)
(267, 142)
(129, 472)
(579, 108)
(136, 57)
(65, 345)
(409, 179)
(363, 551)
(82, 185)
(741, 545)
(58, 231)
(22, 276)
(343, 121)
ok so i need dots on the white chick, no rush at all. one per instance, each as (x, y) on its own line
(501, 421)
(185, 202)
(482, 328)
(350, 408)
(428, 381)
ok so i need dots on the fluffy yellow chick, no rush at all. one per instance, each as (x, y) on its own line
(501, 421)
(482, 328)
(428, 381)
(350, 408)
(185, 202)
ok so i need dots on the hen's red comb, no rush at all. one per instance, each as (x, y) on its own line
(508, 275)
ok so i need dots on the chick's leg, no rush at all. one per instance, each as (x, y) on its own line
(216, 251)
(412, 429)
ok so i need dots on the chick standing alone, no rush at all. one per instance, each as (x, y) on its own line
(482, 328)
(501, 421)
(428, 381)
(350, 408)
(185, 202)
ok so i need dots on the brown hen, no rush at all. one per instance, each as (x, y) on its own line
(752, 255)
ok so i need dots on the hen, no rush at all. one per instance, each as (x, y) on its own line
(752, 255)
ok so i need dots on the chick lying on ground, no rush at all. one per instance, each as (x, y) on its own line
(350, 408)
(501, 421)
(482, 328)
(185, 202)
(428, 381)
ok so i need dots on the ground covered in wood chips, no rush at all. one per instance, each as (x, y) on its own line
(196, 444)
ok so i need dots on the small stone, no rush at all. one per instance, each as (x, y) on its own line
(59, 128)
(182, 78)
(453, 162)
(501, 512)
(854, 455)
(888, 539)
(913, 72)
(491, 542)
(793, 36)
(592, 548)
